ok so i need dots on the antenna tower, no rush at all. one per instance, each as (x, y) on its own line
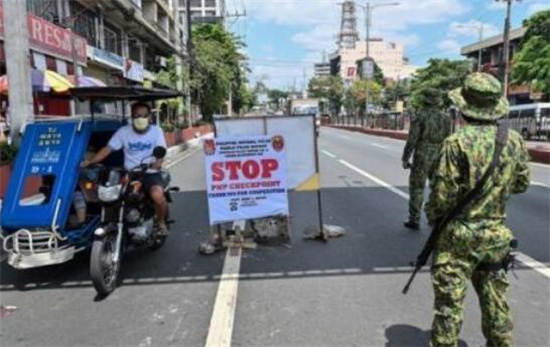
(348, 36)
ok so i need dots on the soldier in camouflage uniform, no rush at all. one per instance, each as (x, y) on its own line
(430, 126)
(476, 245)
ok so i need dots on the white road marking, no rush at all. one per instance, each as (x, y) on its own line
(223, 315)
(378, 145)
(328, 154)
(375, 179)
(545, 166)
(535, 265)
(183, 157)
(540, 184)
(525, 259)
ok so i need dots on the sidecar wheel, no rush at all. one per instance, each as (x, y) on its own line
(103, 269)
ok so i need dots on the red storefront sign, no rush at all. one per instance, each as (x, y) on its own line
(49, 38)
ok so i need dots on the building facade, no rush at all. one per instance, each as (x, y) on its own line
(117, 41)
(204, 11)
(389, 56)
(491, 50)
(321, 69)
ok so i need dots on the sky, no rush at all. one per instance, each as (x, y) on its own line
(285, 38)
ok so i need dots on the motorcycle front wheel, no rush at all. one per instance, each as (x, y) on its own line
(103, 267)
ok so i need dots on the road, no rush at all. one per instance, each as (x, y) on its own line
(346, 292)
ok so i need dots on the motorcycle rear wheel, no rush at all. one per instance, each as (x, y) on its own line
(103, 269)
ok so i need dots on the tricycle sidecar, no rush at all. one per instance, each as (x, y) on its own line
(36, 231)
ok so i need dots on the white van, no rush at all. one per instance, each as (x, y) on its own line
(530, 120)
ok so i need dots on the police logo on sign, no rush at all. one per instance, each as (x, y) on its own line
(209, 147)
(278, 143)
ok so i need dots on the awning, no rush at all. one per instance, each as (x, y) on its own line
(124, 92)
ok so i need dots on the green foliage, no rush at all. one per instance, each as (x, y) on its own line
(399, 91)
(441, 74)
(7, 153)
(532, 63)
(216, 67)
(168, 127)
(245, 98)
(329, 88)
(355, 97)
(276, 98)
(201, 122)
(182, 124)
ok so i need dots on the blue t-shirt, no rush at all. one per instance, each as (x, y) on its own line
(137, 146)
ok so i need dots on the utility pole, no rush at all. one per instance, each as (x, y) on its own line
(235, 15)
(16, 45)
(368, 20)
(191, 55)
(479, 28)
(505, 57)
(504, 62)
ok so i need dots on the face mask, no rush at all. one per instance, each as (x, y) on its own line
(141, 123)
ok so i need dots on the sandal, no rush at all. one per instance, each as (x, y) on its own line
(161, 230)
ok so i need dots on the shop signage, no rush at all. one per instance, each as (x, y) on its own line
(108, 58)
(246, 177)
(134, 71)
(48, 38)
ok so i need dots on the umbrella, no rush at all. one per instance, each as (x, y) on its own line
(42, 81)
(85, 81)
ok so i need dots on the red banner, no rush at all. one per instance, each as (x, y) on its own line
(49, 38)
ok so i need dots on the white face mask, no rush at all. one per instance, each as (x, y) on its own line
(141, 123)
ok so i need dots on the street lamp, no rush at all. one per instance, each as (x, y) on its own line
(368, 19)
(479, 28)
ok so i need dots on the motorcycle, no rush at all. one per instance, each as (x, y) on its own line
(127, 220)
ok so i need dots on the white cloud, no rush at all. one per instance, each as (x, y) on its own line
(469, 29)
(496, 6)
(533, 8)
(318, 23)
(450, 46)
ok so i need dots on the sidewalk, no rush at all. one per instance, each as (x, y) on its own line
(539, 151)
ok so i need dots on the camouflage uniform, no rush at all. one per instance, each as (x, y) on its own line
(479, 235)
(428, 130)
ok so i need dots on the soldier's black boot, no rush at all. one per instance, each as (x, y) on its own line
(412, 225)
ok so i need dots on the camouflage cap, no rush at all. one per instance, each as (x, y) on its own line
(480, 97)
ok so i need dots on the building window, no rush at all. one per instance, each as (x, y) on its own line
(210, 13)
(196, 14)
(134, 48)
(46, 9)
(84, 22)
(112, 40)
(196, 3)
(209, 3)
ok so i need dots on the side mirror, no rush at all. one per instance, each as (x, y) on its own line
(159, 152)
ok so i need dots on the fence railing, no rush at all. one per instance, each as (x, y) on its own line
(392, 121)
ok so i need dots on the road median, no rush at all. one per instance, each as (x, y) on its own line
(540, 152)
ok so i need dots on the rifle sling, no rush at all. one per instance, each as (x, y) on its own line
(476, 193)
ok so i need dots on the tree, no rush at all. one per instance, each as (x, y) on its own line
(169, 77)
(532, 63)
(329, 88)
(398, 91)
(276, 98)
(441, 74)
(216, 67)
(245, 98)
(356, 96)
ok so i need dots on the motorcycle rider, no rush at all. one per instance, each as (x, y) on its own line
(138, 141)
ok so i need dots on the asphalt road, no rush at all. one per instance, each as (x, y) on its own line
(346, 292)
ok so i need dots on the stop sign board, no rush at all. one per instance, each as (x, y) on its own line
(246, 177)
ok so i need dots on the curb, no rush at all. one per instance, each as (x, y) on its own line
(537, 155)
